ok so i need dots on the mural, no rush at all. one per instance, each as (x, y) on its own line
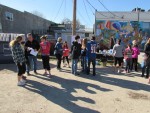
(125, 30)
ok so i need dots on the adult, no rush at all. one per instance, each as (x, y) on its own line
(19, 58)
(65, 53)
(135, 54)
(111, 42)
(45, 53)
(31, 45)
(91, 55)
(118, 54)
(147, 61)
(144, 40)
(83, 55)
(58, 52)
(75, 51)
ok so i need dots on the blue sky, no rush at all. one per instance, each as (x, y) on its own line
(49, 8)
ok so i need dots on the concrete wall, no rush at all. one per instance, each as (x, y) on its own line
(23, 22)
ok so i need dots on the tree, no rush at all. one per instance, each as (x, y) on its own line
(67, 21)
(37, 13)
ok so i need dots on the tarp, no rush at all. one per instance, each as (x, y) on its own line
(5, 52)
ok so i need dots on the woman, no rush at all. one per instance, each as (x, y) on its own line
(65, 53)
(147, 60)
(19, 58)
(112, 42)
(135, 54)
(45, 53)
(83, 55)
(118, 53)
(58, 52)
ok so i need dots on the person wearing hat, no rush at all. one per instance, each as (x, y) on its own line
(135, 54)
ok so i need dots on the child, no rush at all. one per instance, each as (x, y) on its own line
(45, 53)
(136, 52)
(65, 53)
(83, 55)
(128, 57)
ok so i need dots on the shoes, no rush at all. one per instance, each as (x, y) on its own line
(35, 72)
(28, 74)
(21, 83)
(49, 75)
(24, 77)
(45, 73)
(119, 71)
(147, 77)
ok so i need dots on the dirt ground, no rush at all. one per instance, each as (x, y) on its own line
(107, 92)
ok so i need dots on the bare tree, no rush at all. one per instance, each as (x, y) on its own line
(68, 22)
(37, 13)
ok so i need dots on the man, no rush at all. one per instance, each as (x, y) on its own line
(29, 45)
(76, 51)
(91, 55)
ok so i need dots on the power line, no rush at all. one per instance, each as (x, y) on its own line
(95, 9)
(86, 11)
(59, 9)
(108, 9)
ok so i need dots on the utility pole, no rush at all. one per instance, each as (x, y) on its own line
(74, 17)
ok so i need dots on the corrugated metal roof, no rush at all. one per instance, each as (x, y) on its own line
(123, 16)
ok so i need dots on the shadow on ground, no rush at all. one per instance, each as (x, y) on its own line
(64, 97)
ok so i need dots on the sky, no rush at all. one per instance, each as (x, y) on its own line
(57, 10)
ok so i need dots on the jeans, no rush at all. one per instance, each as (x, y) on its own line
(93, 63)
(45, 60)
(134, 63)
(84, 64)
(128, 64)
(58, 56)
(145, 68)
(74, 66)
(32, 62)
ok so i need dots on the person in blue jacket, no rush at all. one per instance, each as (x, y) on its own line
(91, 55)
(58, 52)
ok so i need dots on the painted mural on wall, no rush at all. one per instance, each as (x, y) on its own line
(125, 30)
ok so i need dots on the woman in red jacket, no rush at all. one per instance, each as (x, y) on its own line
(65, 53)
(45, 53)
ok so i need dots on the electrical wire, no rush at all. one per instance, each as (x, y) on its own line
(59, 9)
(95, 9)
(86, 11)
(108, 10)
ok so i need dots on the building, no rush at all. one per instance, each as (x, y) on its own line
(14, 21)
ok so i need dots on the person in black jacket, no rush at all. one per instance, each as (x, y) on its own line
(76, 52)
(147, 62)
(31, 44)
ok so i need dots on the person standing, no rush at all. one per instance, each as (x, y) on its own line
(58, 52)
(65, 53)
(30, 45)
(19, 58)
(45, 53)
(91, 55)
(83, 55)
(135, 54)
(147, 60)
(112, 42)
(75, 51)
(128, 57)
(118, 54)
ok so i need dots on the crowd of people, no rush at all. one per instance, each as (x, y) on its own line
(25, 56)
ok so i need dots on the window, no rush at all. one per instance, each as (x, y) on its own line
(9, 16)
